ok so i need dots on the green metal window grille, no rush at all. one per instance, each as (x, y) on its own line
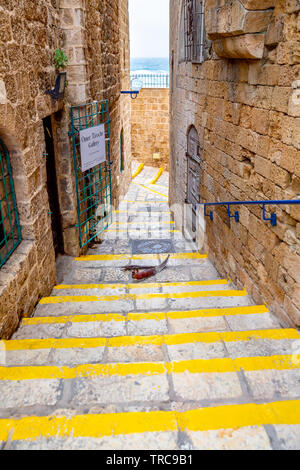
(93, 187)
(10, 230)
(122, 166)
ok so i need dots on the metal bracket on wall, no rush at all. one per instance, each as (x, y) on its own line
(272, 219)
(236, 215)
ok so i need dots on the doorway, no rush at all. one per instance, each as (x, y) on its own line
(52, 188)
(193, 180)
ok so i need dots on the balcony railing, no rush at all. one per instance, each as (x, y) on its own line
(152, 80)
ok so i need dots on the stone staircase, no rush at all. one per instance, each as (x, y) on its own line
(181, 361)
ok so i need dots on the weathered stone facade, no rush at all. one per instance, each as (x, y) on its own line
(150, 127)
(245, 107)
(95, 36)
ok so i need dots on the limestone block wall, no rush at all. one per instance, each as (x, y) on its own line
(150, 127)
(95, 36)
(247, 116)
(108, 59)
(29, 34)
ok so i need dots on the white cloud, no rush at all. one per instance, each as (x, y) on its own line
(149, 28)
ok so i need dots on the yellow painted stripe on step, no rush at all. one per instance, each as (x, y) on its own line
(231, 336)
(114, 424)
(152, 190)
(85, 370)
(73, 319)
(122, 257)
(65, 343)
(217, 312)
(156, 178)
(211, 337)
(237, 416)
(198, 366)
(247, 364)
(97, 426)
(159, 295)
(135, 316)
(146, 285)
(138, 170)
(124, 341)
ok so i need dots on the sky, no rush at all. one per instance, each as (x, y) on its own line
(149, 28)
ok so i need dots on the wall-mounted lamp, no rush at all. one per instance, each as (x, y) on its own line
(136, 86)
(58, 91)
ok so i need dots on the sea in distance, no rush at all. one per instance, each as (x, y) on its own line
(146, 65)
(152, 72)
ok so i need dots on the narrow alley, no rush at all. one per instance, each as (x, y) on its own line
(182, 361)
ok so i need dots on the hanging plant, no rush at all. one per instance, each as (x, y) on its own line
(61, 60)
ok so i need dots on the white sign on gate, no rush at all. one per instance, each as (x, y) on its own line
(92, 147)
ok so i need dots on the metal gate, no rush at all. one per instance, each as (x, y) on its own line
(93, 187)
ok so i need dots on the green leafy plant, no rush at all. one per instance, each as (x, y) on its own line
(61, 60)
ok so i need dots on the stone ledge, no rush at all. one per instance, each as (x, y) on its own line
(233, 27)
(258, 4)
(248, 46)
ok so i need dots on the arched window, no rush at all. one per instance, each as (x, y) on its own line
(122, 163)
(10, 231)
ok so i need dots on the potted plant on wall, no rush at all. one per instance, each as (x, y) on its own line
(60, 61)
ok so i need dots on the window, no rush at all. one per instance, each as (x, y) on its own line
(10, 231)
(194, 31)
(122, 166)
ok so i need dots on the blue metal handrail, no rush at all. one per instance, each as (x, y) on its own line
(236, 216)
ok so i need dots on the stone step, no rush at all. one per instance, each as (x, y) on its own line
(168, 347)
(140, 288)
(125, 303)
(145, 324)
(152, 382)
(157, 222)
(84, 273)
(121, 260)
(229, 426)
(138, 212)
(125, 216)
(141, 234)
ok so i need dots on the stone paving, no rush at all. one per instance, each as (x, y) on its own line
(181, 361)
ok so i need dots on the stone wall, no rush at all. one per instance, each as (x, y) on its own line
(95, 36)
(109, 70)
(29, 34)
(150, 127)
(247, 114)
